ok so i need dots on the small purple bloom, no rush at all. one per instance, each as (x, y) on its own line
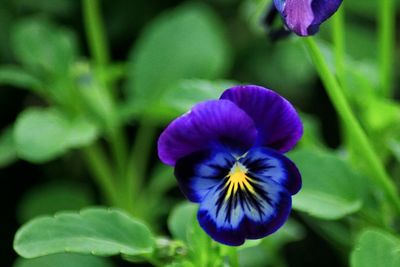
(304, 16)
(228, 156)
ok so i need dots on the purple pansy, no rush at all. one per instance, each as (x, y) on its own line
(304, 16)
(228, 156)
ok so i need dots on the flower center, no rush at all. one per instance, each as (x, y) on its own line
(237, 178)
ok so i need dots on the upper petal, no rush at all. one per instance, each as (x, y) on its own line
(304, 16)
(208, 125)
(278, 124)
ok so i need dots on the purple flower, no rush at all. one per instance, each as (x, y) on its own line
(228, 156)
(304, 16)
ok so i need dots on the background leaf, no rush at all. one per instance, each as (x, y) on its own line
(95, 231)
(64, 260)
(50, 198)
(44, 134)
(181, 219)
(8, 153)
(43, 47)
(331, 189)
(155, 64)
(376, 248)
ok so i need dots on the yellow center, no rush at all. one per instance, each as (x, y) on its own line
(237, 178)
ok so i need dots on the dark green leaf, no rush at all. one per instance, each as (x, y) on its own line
(187, 42)
(18, 77)
(43, 47)
(64, 260)
(96, 231)
(8, 153)
(50, 198)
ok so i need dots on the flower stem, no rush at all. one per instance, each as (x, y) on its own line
(139, 157)
(339, 45)
(378, 172)
(94, 30)
(233, 257)
(386, 22)
(98, 47)
(101, 173)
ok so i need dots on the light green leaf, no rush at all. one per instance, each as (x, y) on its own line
(81, 132)
(96, 231)
(50, 198)
(44, 134)
(18, 77)
(187, 42)
(376, 248)
(43, 47)
(40, 134)
(64, 260)
(8, 153)
(331, 189)
(181, 220)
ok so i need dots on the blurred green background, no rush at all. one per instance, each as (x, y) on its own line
(164, 56)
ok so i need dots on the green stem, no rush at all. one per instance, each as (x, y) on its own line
(101, 173)
(99, 51)
(386, 22)
(339, 45)
(233, 257)
(94, 31)
(139, 158)
(378, 172)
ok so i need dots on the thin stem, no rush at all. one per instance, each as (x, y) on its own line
(101, 173)
(339, 45)
(386, 22)
(94, 31)
(233, 257)
(378, 172)
(139, 158)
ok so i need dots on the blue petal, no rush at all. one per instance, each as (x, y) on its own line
(199, 172)
(278, 124)
(208, 125)
(265, 163)
(304, 16)
(252, 204)
(244, 215)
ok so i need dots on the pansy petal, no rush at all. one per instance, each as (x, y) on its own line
(201, 171)
(208, 125)
(247, 214)
(278, 124)
(304, 16)
(264, 163)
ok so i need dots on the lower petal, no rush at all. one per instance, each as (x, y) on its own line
(199, 172)
(264, 163)
(249, 213)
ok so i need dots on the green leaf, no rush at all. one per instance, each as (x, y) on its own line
(187, 42)
(96, 231)
(50, 198)
(64, 260)
(40, 134)
(182, 96)
(181, 220)
(376, 248)
(18, 77)
(44, 134)
(43, 47)
(331, 189)
(8, 153)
